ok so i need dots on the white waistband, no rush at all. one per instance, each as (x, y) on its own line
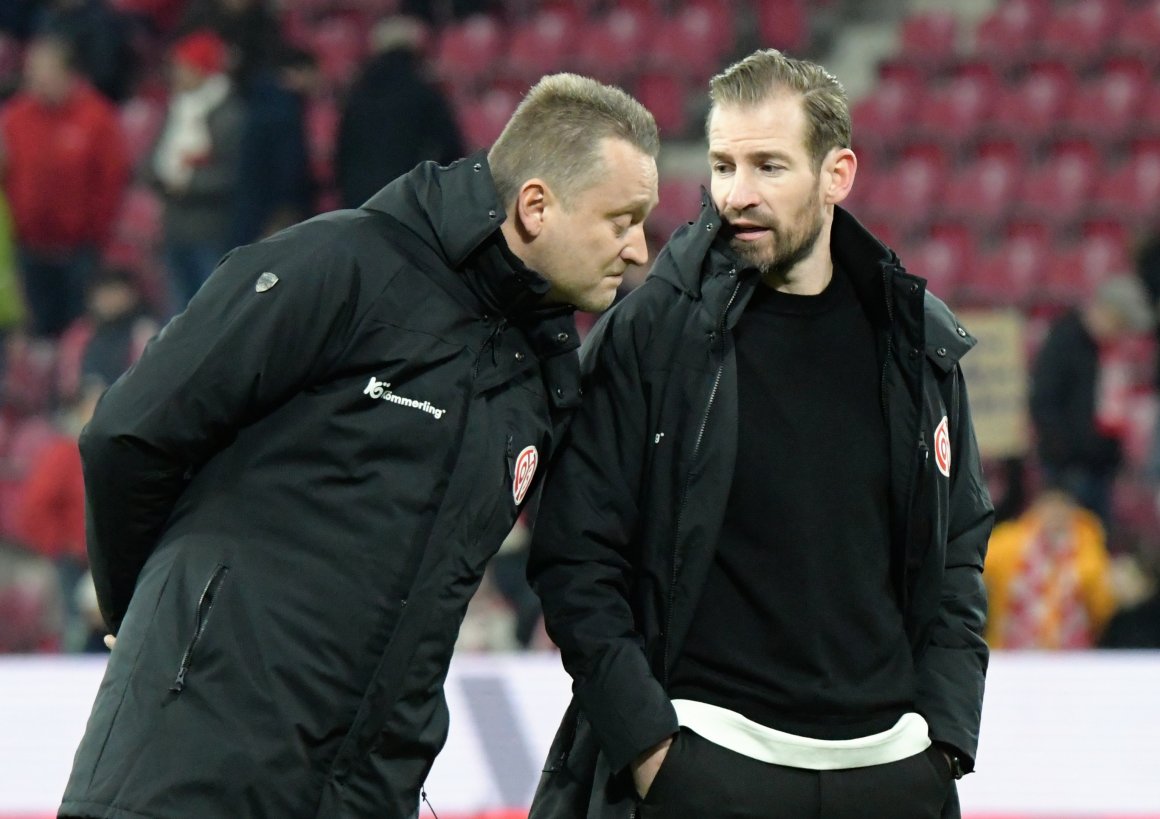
(909, 736)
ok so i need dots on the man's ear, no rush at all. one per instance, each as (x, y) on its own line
(532, 201)
(838, 171)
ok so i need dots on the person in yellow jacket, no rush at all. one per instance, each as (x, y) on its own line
(1048, 577)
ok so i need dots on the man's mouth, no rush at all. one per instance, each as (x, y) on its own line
(748, 231)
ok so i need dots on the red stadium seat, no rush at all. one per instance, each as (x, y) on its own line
(665, 94)
(982, 193)
(1139, 33)
(954, 112)
(1078, 269)
(1059, 189)
(944, 261)
(1131, 192)
(543, 45)
(782, 24)
(1081, 31)
(484, 119)
(469, 50)
(141, 120)
(1108, 106)
(1008, 275)
(907, 193)
(679, 203)
(1031, 110)
(929, 37)
(339, 44)
(693, 42)
(886, 114)
(1005, 36)
(612, 47)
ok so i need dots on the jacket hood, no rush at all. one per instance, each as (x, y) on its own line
(453, 208)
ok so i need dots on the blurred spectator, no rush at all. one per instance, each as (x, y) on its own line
(64, 173)
(1079, 386)
(1137, 623)
(111, 335)
(248, 28)
(490, 623)
(11, 299)
(195, 162)
(1048, 577)
(30, 605)
(91, 629)
(510, 574)
(275, 188)
(394, 117)
(101, 40)
(52, 506)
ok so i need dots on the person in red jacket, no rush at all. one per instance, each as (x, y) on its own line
(64, 170)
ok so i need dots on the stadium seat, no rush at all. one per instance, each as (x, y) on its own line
(929, 38)
(1077, 269)
(782, 24)
(1031, 110)
(692, 42)
(1131, 192)
(1004, 36)
(1107, 106)
(665, 94)
(944, 260)
(1139, 33)
(1008, 275)
(483, 120)
(470, 50)
(954, 112)
(544, 44)
(141, 120)
(1081, 31)
(612, 47)
(679, 202)
(883, 116)
(339, 44)
(1058, 190)
(907, 193)
(982, 192)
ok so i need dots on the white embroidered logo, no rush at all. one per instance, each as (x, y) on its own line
(942, 448)
(381, 390)
(525, 470)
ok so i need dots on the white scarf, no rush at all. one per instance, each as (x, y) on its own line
(186, 141)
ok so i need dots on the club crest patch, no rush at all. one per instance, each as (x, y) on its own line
(942, 448)
(525, 470)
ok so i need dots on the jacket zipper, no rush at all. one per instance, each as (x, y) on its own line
(204, 607)
(689, 480)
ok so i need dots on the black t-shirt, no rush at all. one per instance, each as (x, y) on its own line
(798, 627)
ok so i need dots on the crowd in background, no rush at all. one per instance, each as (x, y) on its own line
(232, 159)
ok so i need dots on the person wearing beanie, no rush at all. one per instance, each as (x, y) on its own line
(194, 164)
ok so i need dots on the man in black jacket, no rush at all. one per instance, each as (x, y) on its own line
(294, 493)
(760, 549)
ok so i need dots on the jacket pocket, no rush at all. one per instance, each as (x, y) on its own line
(205, 606)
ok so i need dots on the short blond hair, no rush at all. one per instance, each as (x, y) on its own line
(556, 134)
(767, 73)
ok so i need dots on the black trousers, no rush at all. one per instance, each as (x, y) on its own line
(702, 780)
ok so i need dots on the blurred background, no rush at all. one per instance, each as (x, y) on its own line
(1009, 151)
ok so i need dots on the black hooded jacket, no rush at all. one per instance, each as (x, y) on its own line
(294, 494)
(634, 506)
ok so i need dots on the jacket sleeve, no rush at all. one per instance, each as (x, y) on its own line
(583, 552)
(952, 670)
(233, 356)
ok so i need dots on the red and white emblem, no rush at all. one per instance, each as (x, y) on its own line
(942, 448)
(526, 465)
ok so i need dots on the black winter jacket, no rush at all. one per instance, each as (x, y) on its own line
(634, 506)
(293, 496)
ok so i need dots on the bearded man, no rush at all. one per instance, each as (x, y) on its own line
(761, 547)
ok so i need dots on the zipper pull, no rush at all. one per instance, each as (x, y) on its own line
(179, 683)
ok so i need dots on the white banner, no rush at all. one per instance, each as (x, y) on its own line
(1064, 735)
